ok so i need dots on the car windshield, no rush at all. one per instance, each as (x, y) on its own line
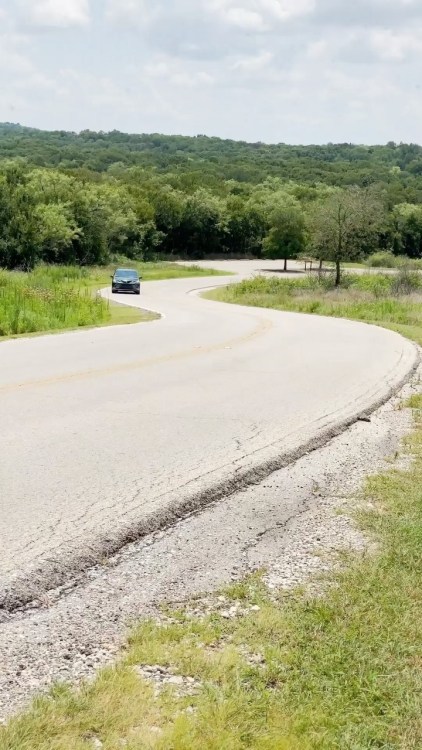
(126, 273)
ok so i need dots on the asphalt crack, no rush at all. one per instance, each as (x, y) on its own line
(23, 590)
(290, 526)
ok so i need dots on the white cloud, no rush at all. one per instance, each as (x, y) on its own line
(21, 81)
(253, 63)
(393, 46)
(287, 9)
(245, 19)
(176, 72)
(131, 12)
(55, 13)
(247, 15)
(258, 15)
(315, 70)
(103, 95)
(12, 58)
(317, 50)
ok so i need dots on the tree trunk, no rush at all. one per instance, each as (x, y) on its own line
(320, 265)
(338, 273)
(285, 264)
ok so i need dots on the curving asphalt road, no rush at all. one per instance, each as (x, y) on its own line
(110, 432)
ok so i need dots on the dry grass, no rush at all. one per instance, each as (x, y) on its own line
(390, 301)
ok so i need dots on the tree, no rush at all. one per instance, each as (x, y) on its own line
(345, 225)
(56, 231)
(407, 220)
(19, 240)
(71, 198)
(286, 238)
(202, 226)
(91, 245)
(246, 227)
(169, 206)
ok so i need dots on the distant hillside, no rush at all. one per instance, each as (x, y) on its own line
(85, 198)
(215, 158)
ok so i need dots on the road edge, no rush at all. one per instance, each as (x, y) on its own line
(26, 590)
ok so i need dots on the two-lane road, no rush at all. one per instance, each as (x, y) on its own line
(106, 431)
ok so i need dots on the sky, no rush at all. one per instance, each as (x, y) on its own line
(291, 71)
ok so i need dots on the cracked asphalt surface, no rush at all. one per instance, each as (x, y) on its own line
(113, 433)
(293, 523)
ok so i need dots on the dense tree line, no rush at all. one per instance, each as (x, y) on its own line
(68, 198)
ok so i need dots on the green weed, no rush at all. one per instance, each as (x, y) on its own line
(393, 301)
(52, 298)
(42, 302)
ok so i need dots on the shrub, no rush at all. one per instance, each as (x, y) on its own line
(406, 281)
(412, 264)
(327, 281)
(383, 259)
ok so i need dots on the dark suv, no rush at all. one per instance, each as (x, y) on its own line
(126, 280)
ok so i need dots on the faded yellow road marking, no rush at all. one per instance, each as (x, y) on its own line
(263, 327)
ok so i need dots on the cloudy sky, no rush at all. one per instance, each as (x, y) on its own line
(294, 71)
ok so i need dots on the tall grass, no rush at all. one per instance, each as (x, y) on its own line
(63, 297)
(394, 301)
(49, 298)
(386, 259)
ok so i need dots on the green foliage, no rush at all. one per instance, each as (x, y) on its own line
(386, 259)
(375, 298)
(59, 297)
(344, 225)
(205, 161)
(68, 198)
(48, 299)
(406, 281)
(407, 220)
(382, 259)
(286, 238)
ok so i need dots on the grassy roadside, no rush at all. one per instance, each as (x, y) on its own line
(293, 672)
(54, 298)
(391, 301)
(381, 261)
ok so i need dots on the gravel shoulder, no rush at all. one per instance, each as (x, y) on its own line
(293, 523)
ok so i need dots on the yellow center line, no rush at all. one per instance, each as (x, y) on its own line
(263, 326)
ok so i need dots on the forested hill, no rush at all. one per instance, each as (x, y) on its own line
(211, 159)
(85, 198)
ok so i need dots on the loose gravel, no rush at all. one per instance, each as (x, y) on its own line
(293, 524)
